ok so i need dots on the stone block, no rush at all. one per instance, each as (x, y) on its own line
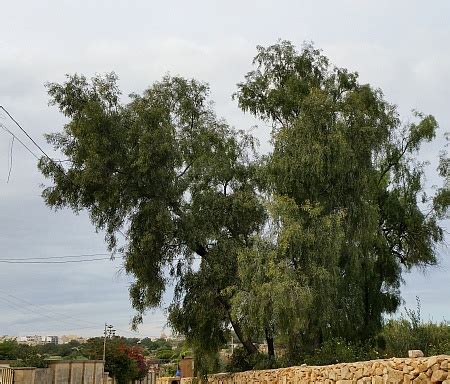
(358, 374)
(378, 371)
(407, 368)
(432, 361)
(421, 379)
(395, 376)
(377, 380)
(438, 375)
(415, 353)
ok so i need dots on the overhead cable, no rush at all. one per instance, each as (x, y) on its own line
(54, 257)
(25, 132)
(53, 262)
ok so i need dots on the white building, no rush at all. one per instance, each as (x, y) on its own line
(37, 340)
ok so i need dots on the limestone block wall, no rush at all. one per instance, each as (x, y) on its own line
(62, 372)
(434, 369)
(149, 379)
(24, 375)
(76, 372)
(43, 376)
(170, 380)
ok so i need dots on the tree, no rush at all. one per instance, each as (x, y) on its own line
(23, 354)
(171, 177)
(286, 272)
(155, 345)
(9, 350)
(122, 361)
(339, 145)
(330, 219)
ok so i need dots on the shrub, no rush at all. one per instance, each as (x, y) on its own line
(410, 332)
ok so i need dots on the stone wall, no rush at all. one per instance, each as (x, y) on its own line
(43, 376)
(433, 369)
(149, 379)
(76, 372)
(62, 372)
(68, 372)
(24, 375)
(171, 380)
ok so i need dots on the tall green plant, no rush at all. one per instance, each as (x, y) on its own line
(339, 145)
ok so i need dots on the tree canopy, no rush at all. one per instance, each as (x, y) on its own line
(329, 219)
(340, 146)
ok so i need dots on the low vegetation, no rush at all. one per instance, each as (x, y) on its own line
(126, 359)
(395, 339)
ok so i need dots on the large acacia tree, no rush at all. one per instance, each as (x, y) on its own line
(328, 220)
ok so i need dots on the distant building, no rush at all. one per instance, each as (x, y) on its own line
(68, 338)
(37, 340)
(50, 339)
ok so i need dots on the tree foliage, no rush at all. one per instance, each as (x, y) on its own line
(329, 219)
(123, 362)
(22, 354)
(175, 179)
(339, 145)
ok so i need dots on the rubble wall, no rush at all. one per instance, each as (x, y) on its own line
(434, 369)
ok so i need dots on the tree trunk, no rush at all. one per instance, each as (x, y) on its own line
(270, 346)
(248, 345)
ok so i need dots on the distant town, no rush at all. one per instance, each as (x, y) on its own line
(44, 339)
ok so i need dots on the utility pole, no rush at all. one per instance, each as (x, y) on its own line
(108, 333)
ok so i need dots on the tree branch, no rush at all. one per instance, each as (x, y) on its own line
(392, 163)
(185, 170)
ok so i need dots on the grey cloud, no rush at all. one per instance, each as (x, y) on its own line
(399, 47)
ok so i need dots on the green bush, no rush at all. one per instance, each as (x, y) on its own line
(338, 350)
(241, 361)
(396, 337)
(31, 360)
(402, 335)
(410, 332)
(166, 354)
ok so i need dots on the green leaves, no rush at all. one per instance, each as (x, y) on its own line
(341, 156)
(329, 219)
(166, 172)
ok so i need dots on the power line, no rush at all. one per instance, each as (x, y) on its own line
(26, 133)
(46, 309)
(23, 261)
(40, 311)
(20, 141)
(54, 257)
(52, 262)
(24, 309)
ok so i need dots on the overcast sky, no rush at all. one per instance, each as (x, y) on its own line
(400, 46)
